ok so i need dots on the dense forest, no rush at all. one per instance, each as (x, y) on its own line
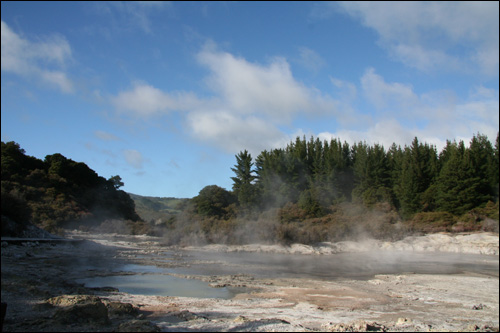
(316, 174)
(58, 192)
(313, 191)
(310, 191)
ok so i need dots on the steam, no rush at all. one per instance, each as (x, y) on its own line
(361, 260)
(287, 225)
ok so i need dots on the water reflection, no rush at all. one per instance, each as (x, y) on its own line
(343, 265)
(158, 284)
(154, 280)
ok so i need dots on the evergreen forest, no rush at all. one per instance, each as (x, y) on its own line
(317, 191)
(412, 179)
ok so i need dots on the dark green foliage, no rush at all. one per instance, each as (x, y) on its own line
(14, 208)
(214, 201)
(158, 210)
(244, 187)
(58, 192)
(309, 201)
(316, 175)
(272, 180)
(418, 171)
(371, 174)
(315, 191)
(431, 222)
(305, 170)
(495, 167)
(116, 181)
(15, 164)
(465, 180)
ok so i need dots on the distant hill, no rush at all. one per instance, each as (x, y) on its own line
(158, 210)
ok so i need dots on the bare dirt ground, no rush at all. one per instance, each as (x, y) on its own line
(38, 283)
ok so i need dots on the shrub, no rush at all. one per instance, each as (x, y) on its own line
(430, 222)
(214, 201)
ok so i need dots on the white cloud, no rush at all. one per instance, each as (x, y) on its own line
(234, 132)
(434, 35)
(387, 132)
(433, 117)
(248, 104)
(105, 136)
(249, 88)
(57, 78)
(146, 100)
(345, 96)
(143, 99)
(422, 58)
(124, 15)
(395, 96)
(44, 60)
(251, 103)
(483, 92)
(311, 60)
(384, 132)
(133, 158)
(346, 88)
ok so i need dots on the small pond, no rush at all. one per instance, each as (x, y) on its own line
(158, 284)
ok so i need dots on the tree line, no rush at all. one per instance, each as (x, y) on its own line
(315, 175)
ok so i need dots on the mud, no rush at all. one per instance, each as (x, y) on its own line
(39, 283)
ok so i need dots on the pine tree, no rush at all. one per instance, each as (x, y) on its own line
(244, 187)
(418, 172)
(496, 167)
(459, 187)
(395, 161)
(482, 164)
(409, 189)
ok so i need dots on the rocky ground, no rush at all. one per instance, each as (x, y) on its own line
(38, 284)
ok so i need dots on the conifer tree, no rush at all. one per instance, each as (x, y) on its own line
(482, 164)
(243, 186)
(496, 167)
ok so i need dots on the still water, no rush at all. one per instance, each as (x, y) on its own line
(158, 284)
(154, 280)
(363, 265)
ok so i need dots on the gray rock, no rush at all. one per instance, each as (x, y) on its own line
(137, 326)
(80, 309)
(118, 309)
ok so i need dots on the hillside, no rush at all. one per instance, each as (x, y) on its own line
(58, 193)
(157, 210)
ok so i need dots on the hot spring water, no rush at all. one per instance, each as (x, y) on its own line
(154, 280)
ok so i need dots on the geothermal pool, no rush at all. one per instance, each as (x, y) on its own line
(148, 275)
(158, 284)
(363, 265)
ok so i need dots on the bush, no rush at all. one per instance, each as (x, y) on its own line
(214, 201)
(309, 202)
(431, 222)
(14, 205)
(291, 213)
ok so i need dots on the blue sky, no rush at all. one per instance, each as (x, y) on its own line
(165, 94)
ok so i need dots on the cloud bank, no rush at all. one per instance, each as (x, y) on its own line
(43, 60)
(252, 106)
(430, 35)
(249, 102)
(134, 158)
